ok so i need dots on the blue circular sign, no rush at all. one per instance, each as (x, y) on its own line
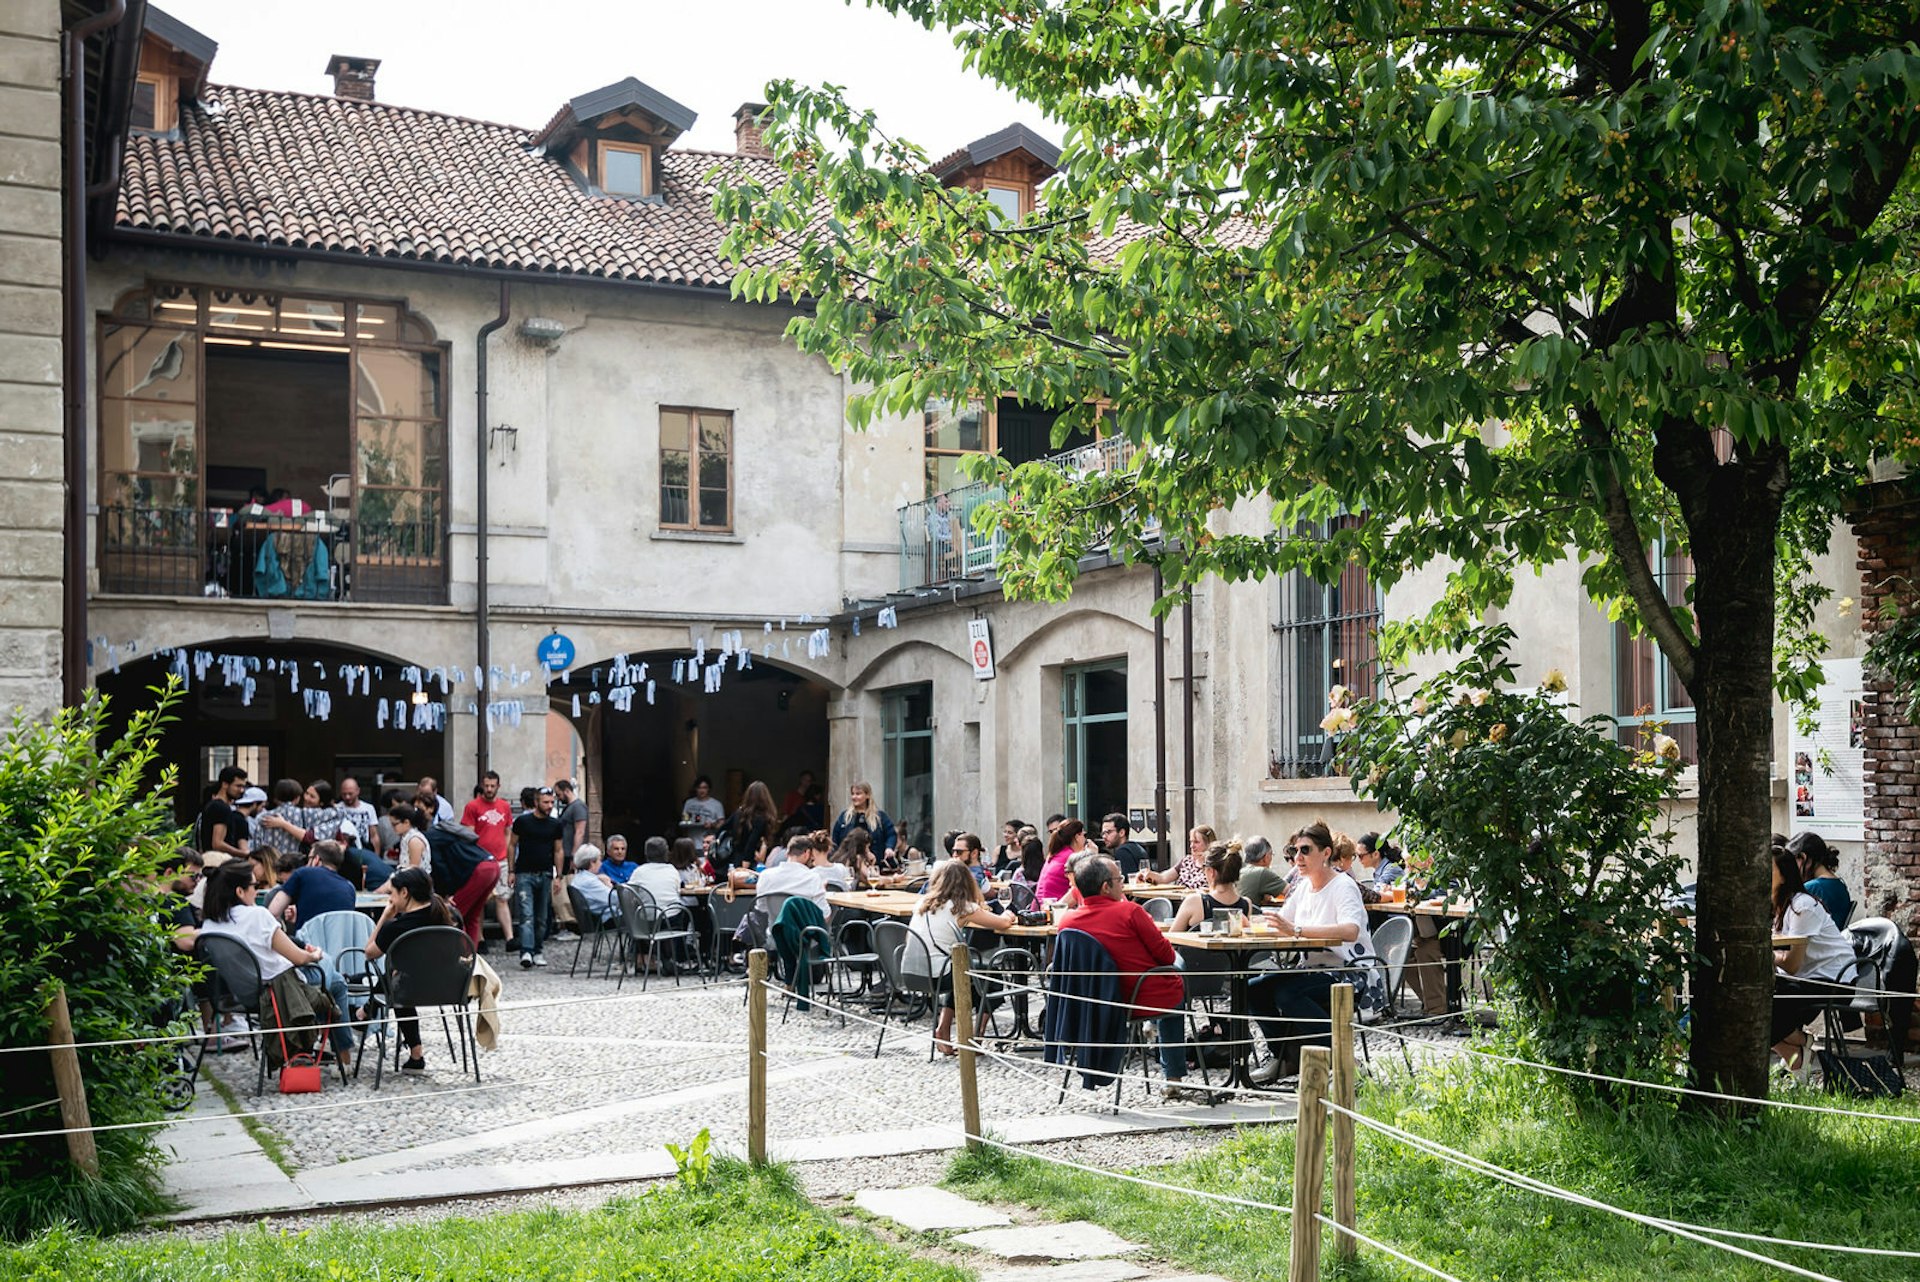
(556, 653)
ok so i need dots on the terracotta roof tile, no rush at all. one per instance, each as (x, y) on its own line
(320, 173)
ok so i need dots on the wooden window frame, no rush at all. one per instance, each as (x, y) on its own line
(692, 525)
(166, 104)
(1022, 194)
(645, 151)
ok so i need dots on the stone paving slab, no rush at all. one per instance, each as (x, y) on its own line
(1193, 1277)
(925, 1209)
(1074, 1240)
(1076, 1271)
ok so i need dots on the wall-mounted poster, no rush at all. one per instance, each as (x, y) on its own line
(1828, 784)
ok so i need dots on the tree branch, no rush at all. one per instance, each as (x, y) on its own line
(1630, 550)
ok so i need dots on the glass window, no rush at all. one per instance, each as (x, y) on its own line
(1326, 636)
(146, 104)
(1010, 201)
(906, 726)
(394, 383)
(623, 170)
(152, 364)
(696, 469)
(1646, 688)
(1094, 712)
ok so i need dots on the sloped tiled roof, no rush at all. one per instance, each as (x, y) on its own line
(307, 172)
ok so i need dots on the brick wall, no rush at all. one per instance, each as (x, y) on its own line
(1888, 525)
(30, 417)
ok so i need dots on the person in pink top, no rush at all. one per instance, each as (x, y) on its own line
(490, 817)
(1068, 840)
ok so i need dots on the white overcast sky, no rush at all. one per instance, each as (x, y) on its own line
(515, 63)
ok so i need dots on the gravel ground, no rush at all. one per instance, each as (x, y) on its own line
(581, 1072)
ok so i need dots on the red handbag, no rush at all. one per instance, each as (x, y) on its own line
(299, 1074)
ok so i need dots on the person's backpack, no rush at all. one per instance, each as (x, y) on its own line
(456, 853)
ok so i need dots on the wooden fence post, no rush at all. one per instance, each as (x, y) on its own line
(68, 1082)
(757, 1057)
(963, 1038)
(1344, 1198)
(1309, 1165)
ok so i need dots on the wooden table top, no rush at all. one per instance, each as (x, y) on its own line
(1456, 909)
(888, 903)
(1252, 941)
(1137, 891)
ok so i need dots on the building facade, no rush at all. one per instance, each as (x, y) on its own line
(388, 406)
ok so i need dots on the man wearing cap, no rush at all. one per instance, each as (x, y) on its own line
(223, 830)
(251, 803)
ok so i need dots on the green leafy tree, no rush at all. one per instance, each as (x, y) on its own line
(1551, 828)
(83, 828)
(1524, 280)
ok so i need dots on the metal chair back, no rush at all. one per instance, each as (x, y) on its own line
(430, 966)
(1160, 908)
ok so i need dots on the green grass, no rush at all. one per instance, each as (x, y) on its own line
(743, 1226)
(270, 1143)
(126, 1192)
(1785, 1174)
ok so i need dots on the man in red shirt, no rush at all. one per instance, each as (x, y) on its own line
(1135, 943)
(490, 816)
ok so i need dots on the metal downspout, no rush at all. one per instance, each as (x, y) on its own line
(73, 349)
(483, 644)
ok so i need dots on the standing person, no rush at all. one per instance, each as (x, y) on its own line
(251, 803)
(538, 860)
(812, 813)
(411, 906)
(863, 812)
(221, 828)
(346, 799)
(701, 812)
(283, 828)
(1325, 907)
(489, 815)
(1116, 835)
(573, 815)
(797, 797)
(428, 798)
(750, 830)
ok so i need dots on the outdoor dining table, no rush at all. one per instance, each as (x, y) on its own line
(884, 903)
(1245, 945)
(370, 901)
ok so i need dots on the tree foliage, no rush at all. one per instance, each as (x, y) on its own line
(83, 827)
(1552, 829)
(1525, 280)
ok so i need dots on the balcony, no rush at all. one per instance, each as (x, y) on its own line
(253, 554)
(938, 544)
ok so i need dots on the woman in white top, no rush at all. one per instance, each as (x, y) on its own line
(1826, 955)
(951, 906)
(232, 912)
(1293, 1006)
(410, 835)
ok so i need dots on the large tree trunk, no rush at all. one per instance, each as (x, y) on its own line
(1733, 516)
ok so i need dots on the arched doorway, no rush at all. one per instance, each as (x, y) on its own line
(282, 730)
(766, 722)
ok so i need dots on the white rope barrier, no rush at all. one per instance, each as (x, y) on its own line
(1766, 1101)
(1378, 1245)
(1481, 1166)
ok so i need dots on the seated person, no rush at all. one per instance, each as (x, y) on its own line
(317, 887)
(591, 880)
(1191, 871)
(855, 854)
(1797, 982)
(1820, 866)
(616, 867)
(1222, 893)
(1067, 841)
(951, 907)
(1258, 881)
(657, 876)
(795, 877)
(232, 912)
(1325, 907)
(1136, 945)
(1381, 859)
(411, 905)
(971, 851)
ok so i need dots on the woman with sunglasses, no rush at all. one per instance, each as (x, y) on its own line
(233, 912)
(1293, 1006)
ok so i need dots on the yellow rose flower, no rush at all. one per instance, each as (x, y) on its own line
(1339, 721)
(1666, 748)
(1498, 733)
(1555, 682)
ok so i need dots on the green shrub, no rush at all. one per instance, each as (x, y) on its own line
(83, 827)
(1553, 828)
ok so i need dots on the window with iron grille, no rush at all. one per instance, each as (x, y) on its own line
(1646, 690)
(1325, 635)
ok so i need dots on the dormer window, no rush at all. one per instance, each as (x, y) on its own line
(152, 103)
(1008, 198)
(626, 169)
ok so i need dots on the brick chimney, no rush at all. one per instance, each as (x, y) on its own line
(747, 118)
(352, 77)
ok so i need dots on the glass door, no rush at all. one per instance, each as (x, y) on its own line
(1093, 703)
(906, 731)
